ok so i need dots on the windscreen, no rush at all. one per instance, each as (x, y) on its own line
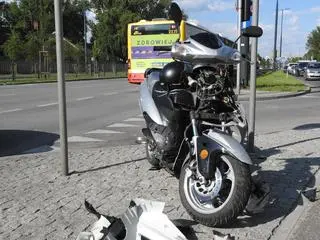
(314, 65)
(153, 29)
(202, 36)
(302, 64)
(208, 40)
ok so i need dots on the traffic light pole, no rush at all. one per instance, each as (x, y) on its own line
(61, 88)
(244, 65)
(275, 38)
(253, 73)
(244, 43)
(239, 46)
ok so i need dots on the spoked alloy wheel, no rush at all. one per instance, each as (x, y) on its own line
(219, 201)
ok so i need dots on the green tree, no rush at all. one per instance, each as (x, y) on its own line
(113, 16)
(313, 44)
(32, 47)
(13, 48)
(294, 59)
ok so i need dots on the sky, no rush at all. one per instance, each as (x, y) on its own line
(220, 16)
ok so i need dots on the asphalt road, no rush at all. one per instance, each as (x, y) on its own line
(104, 113)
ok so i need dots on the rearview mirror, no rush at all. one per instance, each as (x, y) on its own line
(175, 13)
(252, 31)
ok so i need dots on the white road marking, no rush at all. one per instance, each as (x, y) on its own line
(44, 148)
(309, 96)
(11, 110)
(83, 139)
(110, 93)
(84, 98)
(47, 104)
(134, 120)
(121, 125)
(103, 131)
(7, 95)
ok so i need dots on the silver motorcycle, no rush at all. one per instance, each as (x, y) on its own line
(190, 112)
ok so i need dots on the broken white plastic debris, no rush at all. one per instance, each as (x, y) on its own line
(147, 220)
(144, 219)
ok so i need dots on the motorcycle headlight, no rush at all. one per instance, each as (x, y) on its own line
(236, 56)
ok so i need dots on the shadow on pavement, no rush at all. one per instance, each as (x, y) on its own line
(286, 186)
(107, 166)
(309, 126)
(263, 154)
(15, 142)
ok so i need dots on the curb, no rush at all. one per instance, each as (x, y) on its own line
(289, 223)
(66, 81)
(276, 96)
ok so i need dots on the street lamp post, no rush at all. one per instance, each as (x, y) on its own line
(275, 38)
(85, 39)
(282, 29)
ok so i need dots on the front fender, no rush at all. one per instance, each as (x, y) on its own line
(230, 145)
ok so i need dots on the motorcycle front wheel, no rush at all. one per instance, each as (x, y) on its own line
(218, 201)
(151, 155)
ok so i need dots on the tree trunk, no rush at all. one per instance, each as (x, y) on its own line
(13, 70)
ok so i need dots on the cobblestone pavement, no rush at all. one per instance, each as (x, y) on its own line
(36, 202)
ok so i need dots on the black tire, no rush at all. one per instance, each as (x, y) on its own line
(150, 155)
(233, 205)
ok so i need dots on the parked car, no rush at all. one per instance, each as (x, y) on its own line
(300, 68)
(294, 70)
(285, 69)
(290, 66)
(312, 71)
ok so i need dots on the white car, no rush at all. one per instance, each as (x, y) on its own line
(291, 66)
(312, 71)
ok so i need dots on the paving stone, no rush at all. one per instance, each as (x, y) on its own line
(36, 202)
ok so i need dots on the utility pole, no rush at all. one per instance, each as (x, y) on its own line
(85, 39)
(275, 37)
(253, 75)
(282, 29)
(239, 46)
(61, 87)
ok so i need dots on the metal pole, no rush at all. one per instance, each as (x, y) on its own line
(239, 47)
(85, 40)
(244, 65)
(253, 73)
(61, 87)
(281, 33)
(275, 37)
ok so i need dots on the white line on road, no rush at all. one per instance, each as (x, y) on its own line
(47, 104)
(103, 131)
(11, 110)
(110, 93)
(121, 125)
(83, 139)
(7, 95)
(134, 120)
(309, 96)
(84, 98)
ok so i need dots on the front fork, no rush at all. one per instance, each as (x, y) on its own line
(205, 151)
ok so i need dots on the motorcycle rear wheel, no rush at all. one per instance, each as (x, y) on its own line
(220, 201)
